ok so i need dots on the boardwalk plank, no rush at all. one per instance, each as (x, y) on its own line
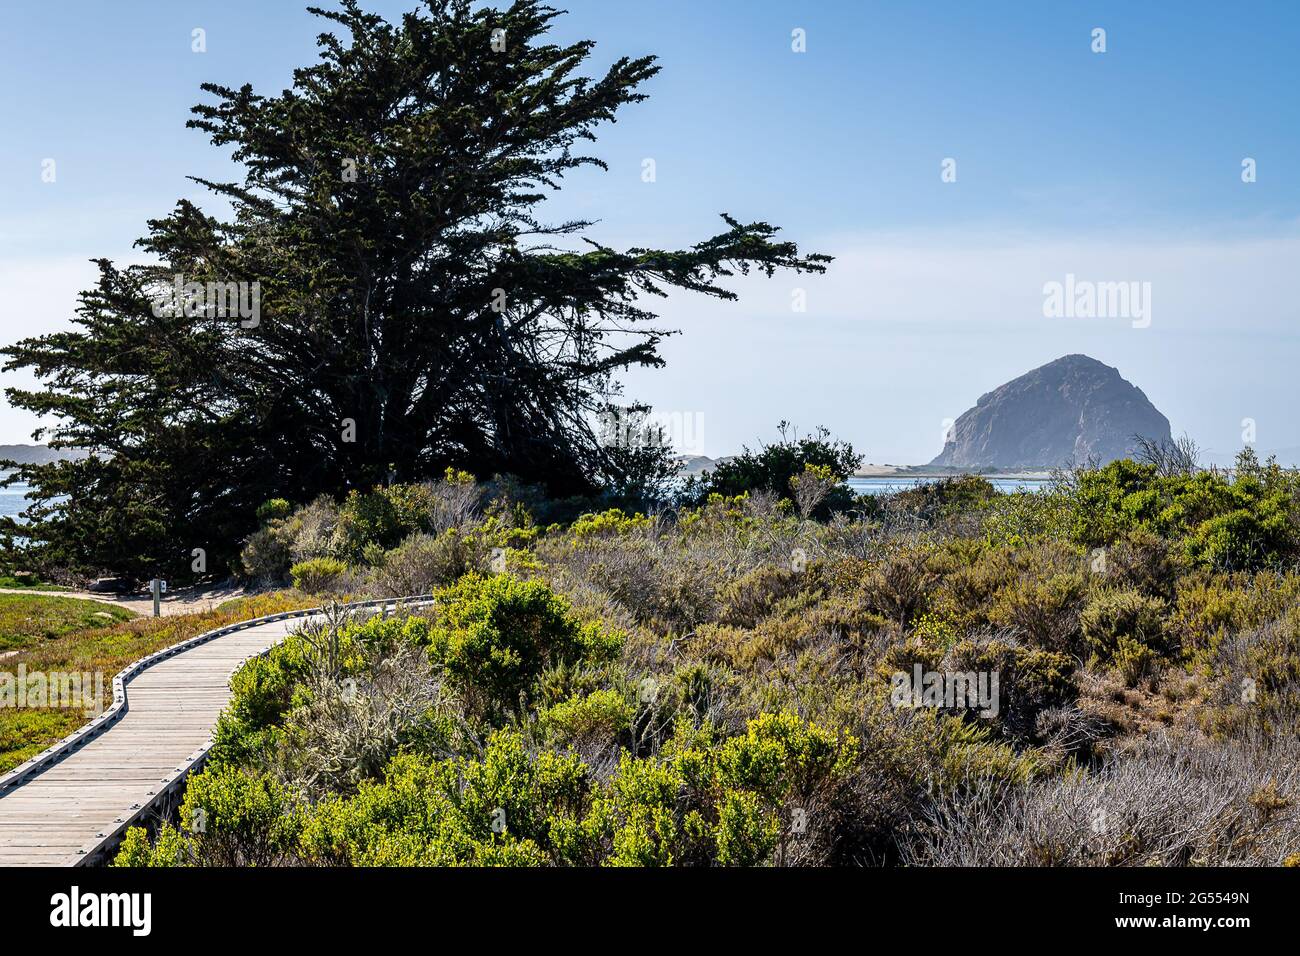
(173, 707)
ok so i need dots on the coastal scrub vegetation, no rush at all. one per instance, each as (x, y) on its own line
(715, 683)
(615, 667)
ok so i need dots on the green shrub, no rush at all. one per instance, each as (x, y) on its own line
(424, 562)
(170, 849)
(1030, 681)
(1126, 628)
(966, 754)
(371, 523)
(771, 469)
(267, 688)
(239, 818)
(1026, 517)
(747, 599)
(611, 522)
(262, 693)
(266, 556)
(746, 833)
(643, 818)
(900, 586)
(317, 575)
(510, 808)
(783, 758)
(229, 818)
(1257, 671)
(1109, 502)
(761, 797)
(946, 497)
(272, 509)
(602, 717)
(1134, 660)
(1146, 562)
(495, 635)
(1248, 539)
(665, 588)
(1246, 523)
(1044, 610)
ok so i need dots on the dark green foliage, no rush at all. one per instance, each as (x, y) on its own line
(372, 522)
(1247, 522)
(496, 635)
(1031, 681)
(771, 468)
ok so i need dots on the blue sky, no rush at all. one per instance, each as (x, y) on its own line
(1123, 165)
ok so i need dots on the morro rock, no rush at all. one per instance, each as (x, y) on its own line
(1073, 411)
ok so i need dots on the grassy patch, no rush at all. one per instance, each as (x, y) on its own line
(26, 619)
(9, 582)
(26, 732)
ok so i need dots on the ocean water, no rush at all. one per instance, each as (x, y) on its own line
(12, 499)
(888, 485)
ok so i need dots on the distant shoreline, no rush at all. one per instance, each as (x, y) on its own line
(924, 471)
(695, 464)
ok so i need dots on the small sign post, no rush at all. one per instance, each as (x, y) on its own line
(157, 587)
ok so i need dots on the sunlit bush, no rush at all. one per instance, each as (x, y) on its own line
(317, 575)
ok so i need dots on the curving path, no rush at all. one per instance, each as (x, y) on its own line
(71, 805)
(188, 600)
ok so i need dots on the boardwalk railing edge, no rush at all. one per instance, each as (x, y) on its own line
(46, 759)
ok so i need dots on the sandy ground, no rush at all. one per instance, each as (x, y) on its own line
(880, 471)
(181, 601)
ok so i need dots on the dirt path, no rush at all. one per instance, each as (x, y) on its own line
(181, 601)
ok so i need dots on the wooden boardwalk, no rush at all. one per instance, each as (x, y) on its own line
(65, 814)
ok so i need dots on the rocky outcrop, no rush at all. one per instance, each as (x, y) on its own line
(1073, 411)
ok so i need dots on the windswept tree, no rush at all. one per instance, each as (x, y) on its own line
(384, 301)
